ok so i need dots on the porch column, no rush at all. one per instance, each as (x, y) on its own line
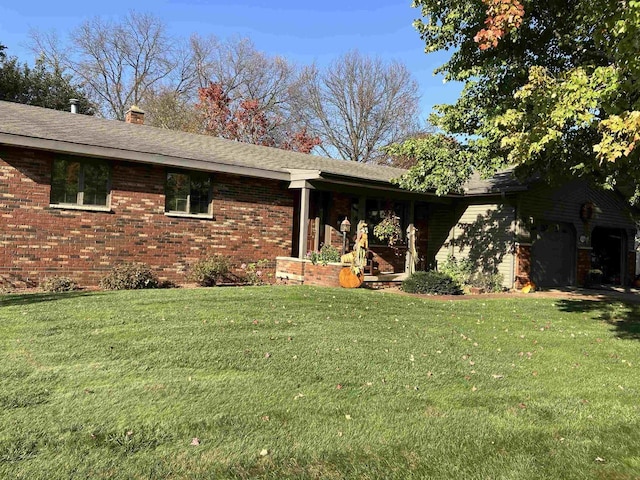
(305, 193)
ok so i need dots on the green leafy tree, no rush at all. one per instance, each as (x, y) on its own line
(40, 86)
(552, 87)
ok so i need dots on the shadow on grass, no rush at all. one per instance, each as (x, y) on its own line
(9, 300)
(624, 317)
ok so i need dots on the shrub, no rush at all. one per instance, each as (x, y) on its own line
(465, 273)
(327, 254)
(130, 276)
(460, 270)
(254, 272)
(433, 282)
(58, 284)
(208, 271)
(490, 282)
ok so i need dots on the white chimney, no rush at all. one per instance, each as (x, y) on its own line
(74, 105)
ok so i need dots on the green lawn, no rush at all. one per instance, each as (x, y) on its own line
(298, 382)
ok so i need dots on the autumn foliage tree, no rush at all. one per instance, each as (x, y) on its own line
(503, 16)
(247, 121)
(551, 87)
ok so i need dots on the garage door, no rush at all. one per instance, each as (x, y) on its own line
(553, 255)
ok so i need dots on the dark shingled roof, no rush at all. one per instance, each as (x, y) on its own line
(56, 130)
(80, 130)
(503, 181)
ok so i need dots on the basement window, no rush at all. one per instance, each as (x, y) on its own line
(80, 182)
(188, 193)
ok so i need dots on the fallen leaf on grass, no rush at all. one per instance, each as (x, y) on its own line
(600, 460)
(264, 452)
(299, 395)
(347, 416)
(497, 376)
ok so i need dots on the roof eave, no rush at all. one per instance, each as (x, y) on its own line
(58, 146)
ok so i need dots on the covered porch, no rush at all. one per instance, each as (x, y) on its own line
(323, 203)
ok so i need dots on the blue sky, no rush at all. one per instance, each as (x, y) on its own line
(303, 32)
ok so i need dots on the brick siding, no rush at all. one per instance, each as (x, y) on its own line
(584, 265)
(523, 265)
(631, 267)
(296, 271)
(252, 221)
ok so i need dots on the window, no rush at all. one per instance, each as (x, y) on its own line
(188, 192)
(80, 182)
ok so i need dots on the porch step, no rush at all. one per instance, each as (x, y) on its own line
(386, 277)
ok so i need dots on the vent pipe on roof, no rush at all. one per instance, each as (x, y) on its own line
(74, 105)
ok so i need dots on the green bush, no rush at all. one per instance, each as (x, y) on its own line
(490, 282)
(460, 270)
(130, 276)
(433, 282)
(58, 284)
(466, 273)
(327, 254)
(209, 271)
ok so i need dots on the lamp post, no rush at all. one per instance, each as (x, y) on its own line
(345, 226)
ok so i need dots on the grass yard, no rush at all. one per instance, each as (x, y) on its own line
(299, 382)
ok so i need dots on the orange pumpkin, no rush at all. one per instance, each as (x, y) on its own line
(348, 279)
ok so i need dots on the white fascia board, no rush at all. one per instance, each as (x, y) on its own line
(303, 174)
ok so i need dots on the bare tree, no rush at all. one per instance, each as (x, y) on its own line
(118, 63)
(358, 105)
(171, 109)
(245, 73)
(241, 74)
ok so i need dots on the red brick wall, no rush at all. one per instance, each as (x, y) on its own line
(290, 271)
(322, 275)
(523, 265)
(296, 271)
(389, 259)
(252, 221)
(340, 207)
(631, 267)
(584, 265)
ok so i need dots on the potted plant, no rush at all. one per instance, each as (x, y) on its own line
(389, 228)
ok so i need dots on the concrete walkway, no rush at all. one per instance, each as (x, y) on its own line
(627, 295)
